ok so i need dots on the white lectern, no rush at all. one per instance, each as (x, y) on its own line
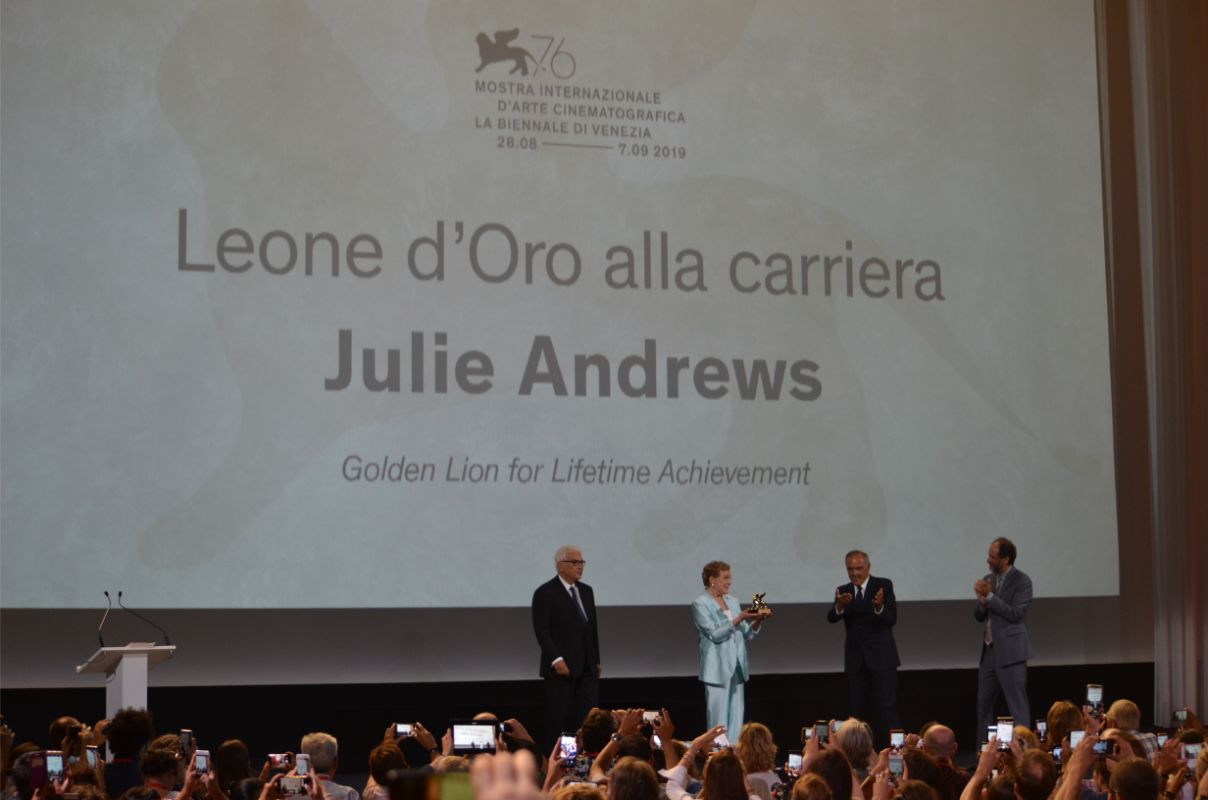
(127, 670)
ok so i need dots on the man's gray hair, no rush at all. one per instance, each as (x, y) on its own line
(564, 551)
(322, 749)
(854, 553)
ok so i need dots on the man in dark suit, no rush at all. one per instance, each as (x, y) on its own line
(867, 607)
(564, 619)
(1003, 598)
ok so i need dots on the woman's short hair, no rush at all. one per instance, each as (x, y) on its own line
(577, 791)
(383, 759)
(712, 570)
(854, 738)
(1062, 718)
(756, 749)
(1022, 733)
(632, 779)
(811, 787)
(723, 778)
(916, 790)
(834, 768)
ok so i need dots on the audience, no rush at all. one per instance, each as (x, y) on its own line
(617, 759)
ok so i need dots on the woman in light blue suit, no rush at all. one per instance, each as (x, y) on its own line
(723, 628)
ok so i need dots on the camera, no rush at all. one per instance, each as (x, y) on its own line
(54, 766)
(895, 767)
(471, 738)
(1005, 732)
(568, 746)
(294, 784)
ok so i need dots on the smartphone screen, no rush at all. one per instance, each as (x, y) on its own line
(54, 766)
(1181, 715)
(1162, 739)
(1042, 728)
(794, 762)
(1102, 747)
(201, 762)
(474, 737)
(93, 758)
(835, 723)
(722, 741)
(1191, 752)
(895, 765)
(1005, 731)
(302, 764)
(650, 717)
(278, 760)
(897, 738)
(1076, 737)
(1094, 694)
(822, 731)
(567, 746)
(403, 729)
(656, 740)
(1057, 755)
(807, 732)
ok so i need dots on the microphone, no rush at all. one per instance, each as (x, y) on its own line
(167, 641)
(104, 617)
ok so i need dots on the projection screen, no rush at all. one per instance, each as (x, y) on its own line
(375, 305)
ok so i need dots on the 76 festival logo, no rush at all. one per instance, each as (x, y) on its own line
(501, 49)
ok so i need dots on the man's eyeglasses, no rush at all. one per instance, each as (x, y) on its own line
(577, 562)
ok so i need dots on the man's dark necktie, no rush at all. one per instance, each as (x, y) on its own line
(574, 595)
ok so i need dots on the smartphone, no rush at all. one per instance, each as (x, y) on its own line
(1162, 739)
(1005, 732)
(656, 741)
(1102, 748)
(94, 759)
(471, 738)
(54, 765)
(721, 742)
(794, 763)
(1094, 696)
(293, 784)
(1191, 752)
(650, 717)
(201, 762)
(278, 760)
(186, 742)
(822, 731)
(1042, 728)
(895, 767)
(1075, 738)
(897, 738)
(403, 729)
(807, 733)
(835, 724)
(301, 764)
(568, 746)
(1057, 755)
(1180, 715)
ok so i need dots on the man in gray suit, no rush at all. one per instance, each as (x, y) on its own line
(1003, 598)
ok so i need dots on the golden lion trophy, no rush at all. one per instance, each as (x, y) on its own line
(759, 605)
